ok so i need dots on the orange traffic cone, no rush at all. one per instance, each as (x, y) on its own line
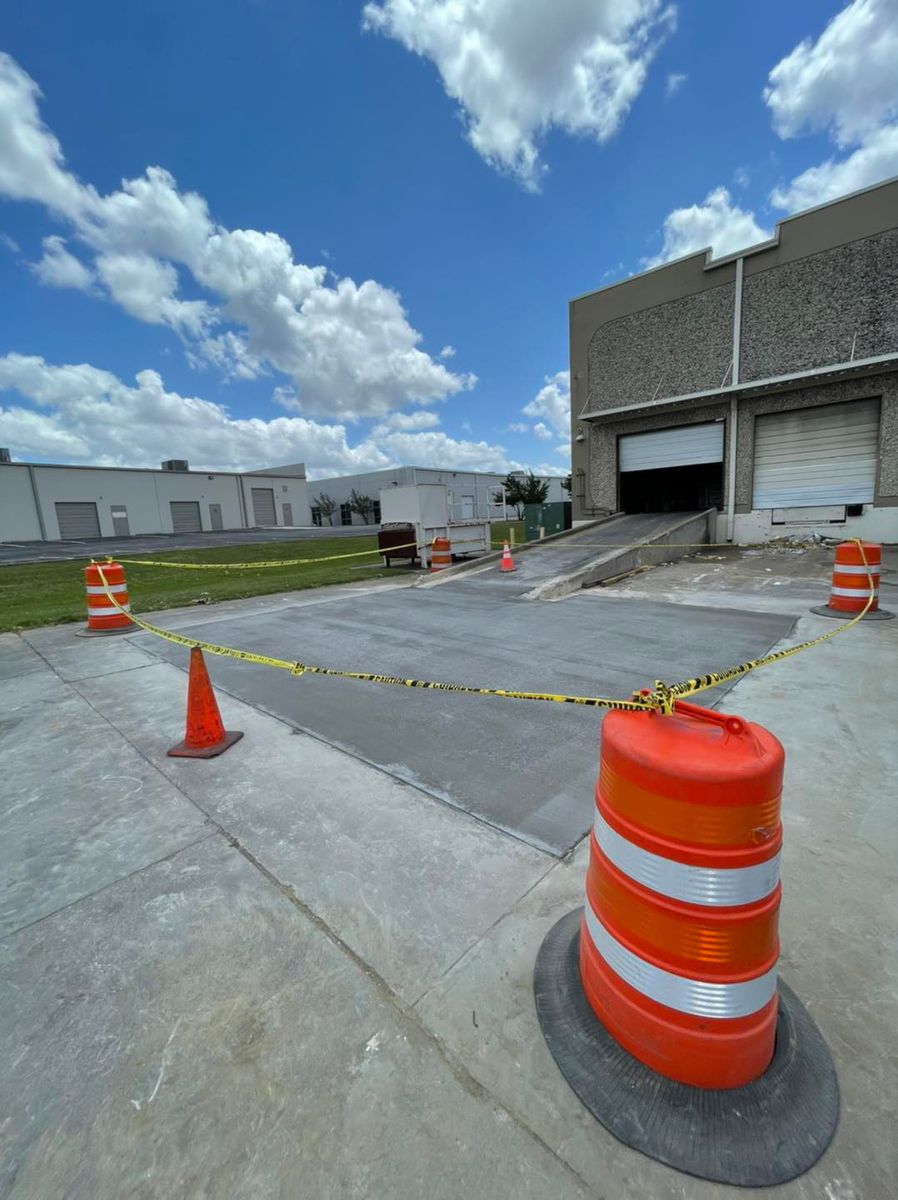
(507, 563)
(205, 736)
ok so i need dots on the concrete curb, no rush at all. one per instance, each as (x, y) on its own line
(486, 560)
(615, 562)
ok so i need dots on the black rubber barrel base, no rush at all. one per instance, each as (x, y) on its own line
(760, 1135)
(878, 614)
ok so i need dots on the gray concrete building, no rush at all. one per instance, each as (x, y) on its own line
(763, 383)
(47, 502)
(471, 493)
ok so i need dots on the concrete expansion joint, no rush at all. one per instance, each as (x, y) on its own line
(404, 1012)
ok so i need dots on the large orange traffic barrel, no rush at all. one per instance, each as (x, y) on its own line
(857, 566)
(103, 615)
(679, 944)
(659, 999)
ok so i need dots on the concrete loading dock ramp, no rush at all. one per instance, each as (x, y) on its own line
(566, 562)
(526, 768)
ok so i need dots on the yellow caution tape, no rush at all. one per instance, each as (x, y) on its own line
(301, 668)
(665, 695)
(252, 566)
(662, 697)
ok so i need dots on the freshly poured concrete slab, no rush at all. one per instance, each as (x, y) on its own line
(189, 1033)
(408, 883)
(81, 807)
(525, 767)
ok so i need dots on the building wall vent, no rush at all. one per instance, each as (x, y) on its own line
(176, 464)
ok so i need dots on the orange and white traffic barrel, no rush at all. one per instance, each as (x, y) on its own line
(440, 554)
(679, 944)
(659, 999)
(104, 616)
(857, 565)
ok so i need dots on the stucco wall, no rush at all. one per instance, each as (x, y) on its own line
(18, 515)
(682, 346)
(805, 314)
(146, 496)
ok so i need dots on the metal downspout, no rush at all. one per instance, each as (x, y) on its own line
(734, 402)
(37, 504)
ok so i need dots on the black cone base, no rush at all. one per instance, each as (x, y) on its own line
(755, 1136)
(878, 614)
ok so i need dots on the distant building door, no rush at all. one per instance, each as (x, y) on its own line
(316, 515)
(185, 516)
(345, 513)
(263, 506)
(288, 514)
(120, 526)
(467, 508)
(215, 516)
(77, 520)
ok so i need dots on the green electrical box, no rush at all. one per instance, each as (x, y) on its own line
(551, 518)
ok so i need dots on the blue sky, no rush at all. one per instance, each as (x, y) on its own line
(349, 233)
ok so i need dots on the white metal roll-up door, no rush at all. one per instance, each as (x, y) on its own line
(77, 520)
(185, 516)
(681, 447)
(263, 506)
(814, 456)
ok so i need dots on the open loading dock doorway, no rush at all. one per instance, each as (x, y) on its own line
(671, 470)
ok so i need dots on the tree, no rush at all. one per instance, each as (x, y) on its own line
(326, 506)
(363, 505)
(566, 484)
(524, 489)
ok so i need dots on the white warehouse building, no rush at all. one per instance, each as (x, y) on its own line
(471, 493)
(47, 502)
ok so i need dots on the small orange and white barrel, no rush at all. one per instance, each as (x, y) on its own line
(104, 616)
(856, 566)
(440, 554)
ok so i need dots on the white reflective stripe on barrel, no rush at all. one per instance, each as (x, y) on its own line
(108, 610)
(841, 569)
(101, 591)
(716, 887)
(698, 997)
(858, 593)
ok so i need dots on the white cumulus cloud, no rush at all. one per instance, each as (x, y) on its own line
(348, 348)
(716, 222)
(552, 401)
(846, 81)
(519, 68)
(58, 267)
(84, 413)
(673, 83)
(875, 160)
(542, 431)
(81, 413)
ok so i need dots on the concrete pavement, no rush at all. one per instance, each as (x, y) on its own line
(524, 767)
(284, 972)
